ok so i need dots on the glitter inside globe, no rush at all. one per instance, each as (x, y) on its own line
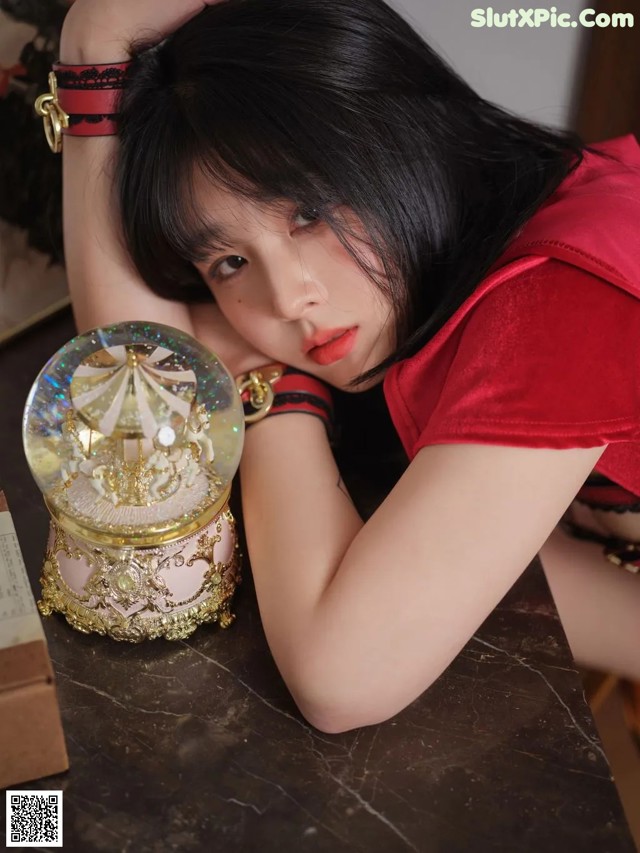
(133, 433)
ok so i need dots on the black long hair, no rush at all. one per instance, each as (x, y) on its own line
(329, 103)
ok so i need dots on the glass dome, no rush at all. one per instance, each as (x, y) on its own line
(133, 433)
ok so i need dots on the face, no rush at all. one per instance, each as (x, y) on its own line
(287, 285)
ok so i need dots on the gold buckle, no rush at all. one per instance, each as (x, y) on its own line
(54, 117)
(259, 383)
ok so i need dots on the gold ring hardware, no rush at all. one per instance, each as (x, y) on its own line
(54, 117)
(259, 384)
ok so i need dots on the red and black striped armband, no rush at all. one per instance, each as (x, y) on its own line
(82, 101)
(277, 390)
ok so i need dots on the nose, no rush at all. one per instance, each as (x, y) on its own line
(292, 287)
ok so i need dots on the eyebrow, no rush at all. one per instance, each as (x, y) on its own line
(210, 237)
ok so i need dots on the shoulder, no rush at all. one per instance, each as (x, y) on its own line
(550, 307)
(551, 356)
(545, 359)
(552, 294)
(592, 220)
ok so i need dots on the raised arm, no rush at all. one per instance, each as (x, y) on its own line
(104, 286)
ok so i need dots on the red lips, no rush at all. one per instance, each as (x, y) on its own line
(329, 346)
(321, 338)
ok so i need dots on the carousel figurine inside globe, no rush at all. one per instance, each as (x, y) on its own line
(133, 433)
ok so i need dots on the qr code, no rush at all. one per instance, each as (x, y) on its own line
(34, 819)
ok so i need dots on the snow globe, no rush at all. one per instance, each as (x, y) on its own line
(133, 432)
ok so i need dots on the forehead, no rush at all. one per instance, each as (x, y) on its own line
(233, 211)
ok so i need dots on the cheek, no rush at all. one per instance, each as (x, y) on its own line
(341, 266)
(234, 310)
(360, 241)
(245, 321)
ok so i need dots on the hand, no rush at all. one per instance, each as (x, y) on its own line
(96, 31)
(212, 329)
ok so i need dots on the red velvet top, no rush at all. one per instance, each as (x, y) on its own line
(546, 351)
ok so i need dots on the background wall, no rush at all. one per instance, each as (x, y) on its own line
(529, 71)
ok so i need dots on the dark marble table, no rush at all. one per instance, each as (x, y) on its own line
(196, 745)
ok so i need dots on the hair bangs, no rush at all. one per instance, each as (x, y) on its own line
(240, 146)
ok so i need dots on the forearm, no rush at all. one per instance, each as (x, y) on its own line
(299, 522)
(103, 283)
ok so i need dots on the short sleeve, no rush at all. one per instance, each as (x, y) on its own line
(551, 359)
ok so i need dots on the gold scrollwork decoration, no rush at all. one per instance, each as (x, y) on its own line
(92, 613)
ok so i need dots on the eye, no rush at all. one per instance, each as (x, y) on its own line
(310, 214)
(218, 271)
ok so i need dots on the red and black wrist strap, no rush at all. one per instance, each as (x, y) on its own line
(82, 101)
(277, 390)
(89, 95)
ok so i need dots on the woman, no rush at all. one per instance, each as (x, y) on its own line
(351, 206)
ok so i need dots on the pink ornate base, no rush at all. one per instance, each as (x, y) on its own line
(136, 594)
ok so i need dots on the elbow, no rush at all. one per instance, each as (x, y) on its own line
(331, 721)
(339, 688)
(335, 707)
(325, 705)
(336, 719)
